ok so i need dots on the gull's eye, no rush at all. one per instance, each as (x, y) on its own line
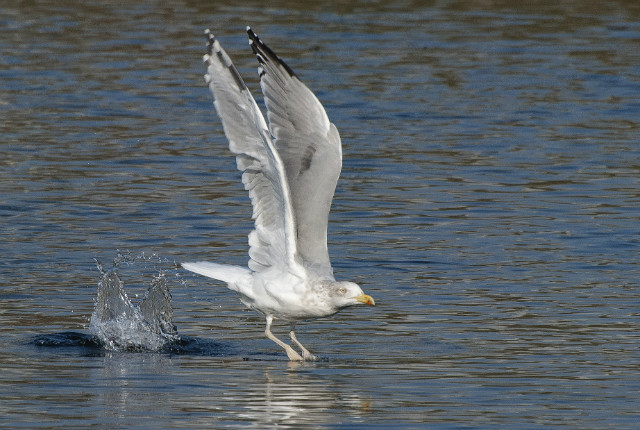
(342, 290)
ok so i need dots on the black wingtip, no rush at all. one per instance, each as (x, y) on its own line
(264, 53)
(254, 40)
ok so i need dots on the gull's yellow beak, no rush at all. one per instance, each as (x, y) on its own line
(366, 299)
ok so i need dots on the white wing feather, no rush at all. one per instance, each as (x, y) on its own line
(233, 275)
(310, 148)
(272, 243)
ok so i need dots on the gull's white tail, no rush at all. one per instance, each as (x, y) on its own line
(232, 275)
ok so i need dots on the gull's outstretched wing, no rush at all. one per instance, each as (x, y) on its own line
(310, 148)
(272, 243)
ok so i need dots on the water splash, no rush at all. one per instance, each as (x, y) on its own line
(122, 326)
(117, 324)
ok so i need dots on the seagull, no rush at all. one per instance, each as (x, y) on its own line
(290, 168)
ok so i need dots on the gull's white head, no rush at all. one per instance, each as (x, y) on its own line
(345, 294)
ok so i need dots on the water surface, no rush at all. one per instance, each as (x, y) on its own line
(488, 202)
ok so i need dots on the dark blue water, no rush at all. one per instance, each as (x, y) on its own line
(488, 202)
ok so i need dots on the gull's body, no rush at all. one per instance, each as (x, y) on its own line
(290, 169)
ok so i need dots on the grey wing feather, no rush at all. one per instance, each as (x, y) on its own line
(310, 147)
(273, 240)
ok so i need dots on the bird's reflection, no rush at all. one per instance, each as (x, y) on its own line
(224, 391)
(298, 396)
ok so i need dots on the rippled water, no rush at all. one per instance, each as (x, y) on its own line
(488, 202)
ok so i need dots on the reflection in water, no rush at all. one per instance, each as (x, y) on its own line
(124, 384)
(492, 206)
(293, 397)
(268, 396)
(288, 398)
